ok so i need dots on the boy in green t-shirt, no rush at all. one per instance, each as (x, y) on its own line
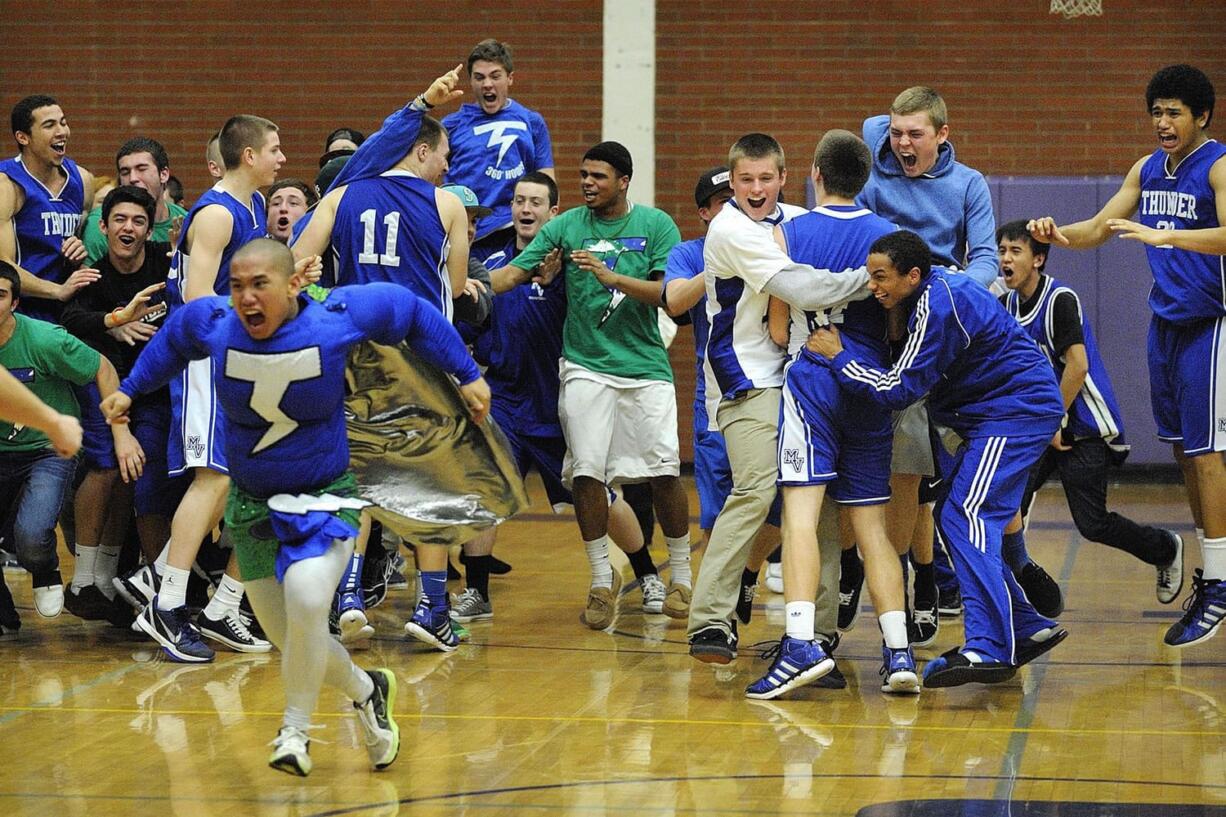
(33, 477)
(616, 401)
(140, 162)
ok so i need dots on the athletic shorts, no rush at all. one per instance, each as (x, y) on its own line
(912, 448)
(712, 473)
(829, 437)
(617, 429)
(1187, 383)
(250, 529)
(97, 443)
(197, 426)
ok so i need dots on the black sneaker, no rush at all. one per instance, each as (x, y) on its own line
(87, 603)
(744, 599)
(924, 623)
(379, 730)
(949, 602)
(173, 629)
(849, 599)
(1041, 591)
(714, 645)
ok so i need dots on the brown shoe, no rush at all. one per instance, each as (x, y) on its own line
(602, 604)
(677, 602)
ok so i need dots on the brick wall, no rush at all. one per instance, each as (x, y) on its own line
(1029, 93)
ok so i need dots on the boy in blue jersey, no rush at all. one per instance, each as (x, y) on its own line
(918, 184)
(224, 219)
(831, 442)
(292, 508)
(43, 195)
(1092, 435)
(495, 141)
(988, 381)
(1180, 190)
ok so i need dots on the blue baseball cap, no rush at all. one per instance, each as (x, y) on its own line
(469, 199)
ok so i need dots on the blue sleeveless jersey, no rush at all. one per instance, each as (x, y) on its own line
(521, 349)
(837, 238)
(250, 222)
(491, 152)
(1095, 411)
(1188, 286)
(41, 225)
(388, 229)
(283, 397)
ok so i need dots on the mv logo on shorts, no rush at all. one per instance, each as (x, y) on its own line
(195, 446)
(793, 458)
(610, 251)
(499, 138)
(1221, 425)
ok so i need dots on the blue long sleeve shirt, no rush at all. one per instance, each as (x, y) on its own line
(283, 397)
(984, 376)
(949, 206)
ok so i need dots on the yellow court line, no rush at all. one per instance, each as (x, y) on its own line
(579, 719)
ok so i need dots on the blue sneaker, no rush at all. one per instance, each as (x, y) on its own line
(1203, 612)
(173, 629)
(433, 627)
(796, 663)
(898, 671)
(351, 618)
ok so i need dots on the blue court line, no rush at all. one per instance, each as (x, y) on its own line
(1012, 760)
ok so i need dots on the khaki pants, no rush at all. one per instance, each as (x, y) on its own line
(750, 425)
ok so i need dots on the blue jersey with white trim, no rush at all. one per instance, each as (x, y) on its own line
(250, 223)
(837, 238)
(983, 375)
(283, 397)
(491, 152)
(388, 229)
(41, 225)
(521, 349)
(1095, 411)
(684, 263)
(1188, 286)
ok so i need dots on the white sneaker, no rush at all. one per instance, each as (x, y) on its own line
(1170, 577)
(291, 752)
(774, 577)
(49, 600)
(653, 594)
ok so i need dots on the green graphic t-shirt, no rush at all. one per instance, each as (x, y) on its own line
(607, 331)
(48, 361)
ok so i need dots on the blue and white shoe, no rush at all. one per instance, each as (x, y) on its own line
(796, 663)
(898, 671)
(433, 627)
(173, 629)
(1203, 612)
(351, 618)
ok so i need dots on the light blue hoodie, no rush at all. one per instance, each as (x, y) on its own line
(949, 206)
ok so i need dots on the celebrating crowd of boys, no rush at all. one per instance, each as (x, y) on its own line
(887, 378)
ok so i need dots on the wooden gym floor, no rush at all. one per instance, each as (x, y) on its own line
(538, 715)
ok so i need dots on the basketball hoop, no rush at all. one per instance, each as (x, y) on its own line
(1077, 8)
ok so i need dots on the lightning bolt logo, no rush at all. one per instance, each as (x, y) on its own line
(499, 137)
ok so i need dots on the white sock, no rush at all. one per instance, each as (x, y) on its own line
(105, 569)
(1213, 552)
(159, 564)
(679, 559)
(226, 597)
(800, 619)
(173, 592)
(598, 557)
(894, 629)
(83, 572)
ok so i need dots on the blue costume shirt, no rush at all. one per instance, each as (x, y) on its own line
(283, 397)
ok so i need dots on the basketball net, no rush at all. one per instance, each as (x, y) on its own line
(1076, 8)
